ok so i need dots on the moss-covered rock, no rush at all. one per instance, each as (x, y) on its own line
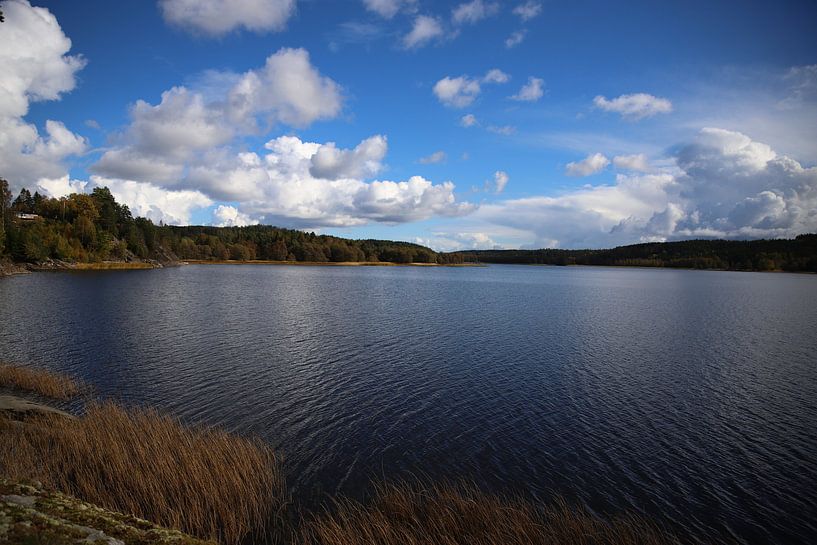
(30, 515)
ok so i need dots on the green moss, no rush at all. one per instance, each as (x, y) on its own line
(30, 515)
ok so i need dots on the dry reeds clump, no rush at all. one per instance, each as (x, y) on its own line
(39, 381)
(413, 514)
(204, 482)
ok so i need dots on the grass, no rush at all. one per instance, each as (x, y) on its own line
(443, 514)
(205, 482)
(112, 266)
(39, 381)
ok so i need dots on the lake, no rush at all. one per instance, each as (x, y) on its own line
(690, 396)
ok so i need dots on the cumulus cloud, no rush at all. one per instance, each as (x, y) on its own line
(468, 120)
(637, 162)
(61, 187)
(35, 67)
(154, 202)
(436, 157)
(361, 162)
(473, 11)
(635, 106)
(451, 242)
(528, 10)
(531, 91)
(279, 187)
(162, 139)
(592, 164)
(229, 216)
(387, 8)
(457, 92)
(218, 17)
(424, 30)
(515, 38)
(461, 91)
(725, 185)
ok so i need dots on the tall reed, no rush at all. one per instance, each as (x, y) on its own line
(39, 381)
(205, 482)
(444, 514)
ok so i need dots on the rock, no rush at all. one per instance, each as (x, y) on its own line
(34, 516)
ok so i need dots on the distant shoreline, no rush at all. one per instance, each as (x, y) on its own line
(323, 263)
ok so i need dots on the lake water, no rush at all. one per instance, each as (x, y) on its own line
(690, 396)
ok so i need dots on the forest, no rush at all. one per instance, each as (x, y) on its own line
(94, 227)
(796, 255)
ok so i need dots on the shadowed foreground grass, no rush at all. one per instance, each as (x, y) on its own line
(442, 514)
(205, 482)
(39, 381)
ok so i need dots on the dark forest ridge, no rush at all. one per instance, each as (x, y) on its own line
(798, 254)
(87, 228)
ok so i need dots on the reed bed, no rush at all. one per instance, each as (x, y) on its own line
(205, 482)
(40, 381)
(444, 514)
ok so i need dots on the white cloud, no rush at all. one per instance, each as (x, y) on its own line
(186, 125)
(61, 187)
(725, 185)
(531, 91)
(153, 202)
(331, 163)
(457, 92)
(515, 38)
(500, 181)
(229, 216)
(278, 187)
(461, 91)
(436, 157)
(35, 67)
(635, 106)
(528, 10)
(388, 8)
(468, 120)
(591, 164)
(218, 17)
(504, 130)
(637, 162)
(288, 89)
(451, 242)
(424, 30)
(473, 11)
(495, 75)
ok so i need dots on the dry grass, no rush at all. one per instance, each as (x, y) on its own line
(413, 514)
(39, 381)
(112, 266)
(205, 482)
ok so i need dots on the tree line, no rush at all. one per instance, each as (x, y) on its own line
(798, 254)
(94, 227)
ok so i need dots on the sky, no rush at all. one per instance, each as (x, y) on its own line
(475, 124)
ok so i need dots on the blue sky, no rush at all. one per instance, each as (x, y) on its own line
(458, 125)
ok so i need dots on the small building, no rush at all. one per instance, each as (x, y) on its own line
(27, 217)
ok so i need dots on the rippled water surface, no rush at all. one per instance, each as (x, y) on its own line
(690, 396)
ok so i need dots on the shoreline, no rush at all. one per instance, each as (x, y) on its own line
(323, 263)
(8, 269)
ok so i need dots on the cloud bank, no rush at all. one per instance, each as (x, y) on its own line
(725, 185)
